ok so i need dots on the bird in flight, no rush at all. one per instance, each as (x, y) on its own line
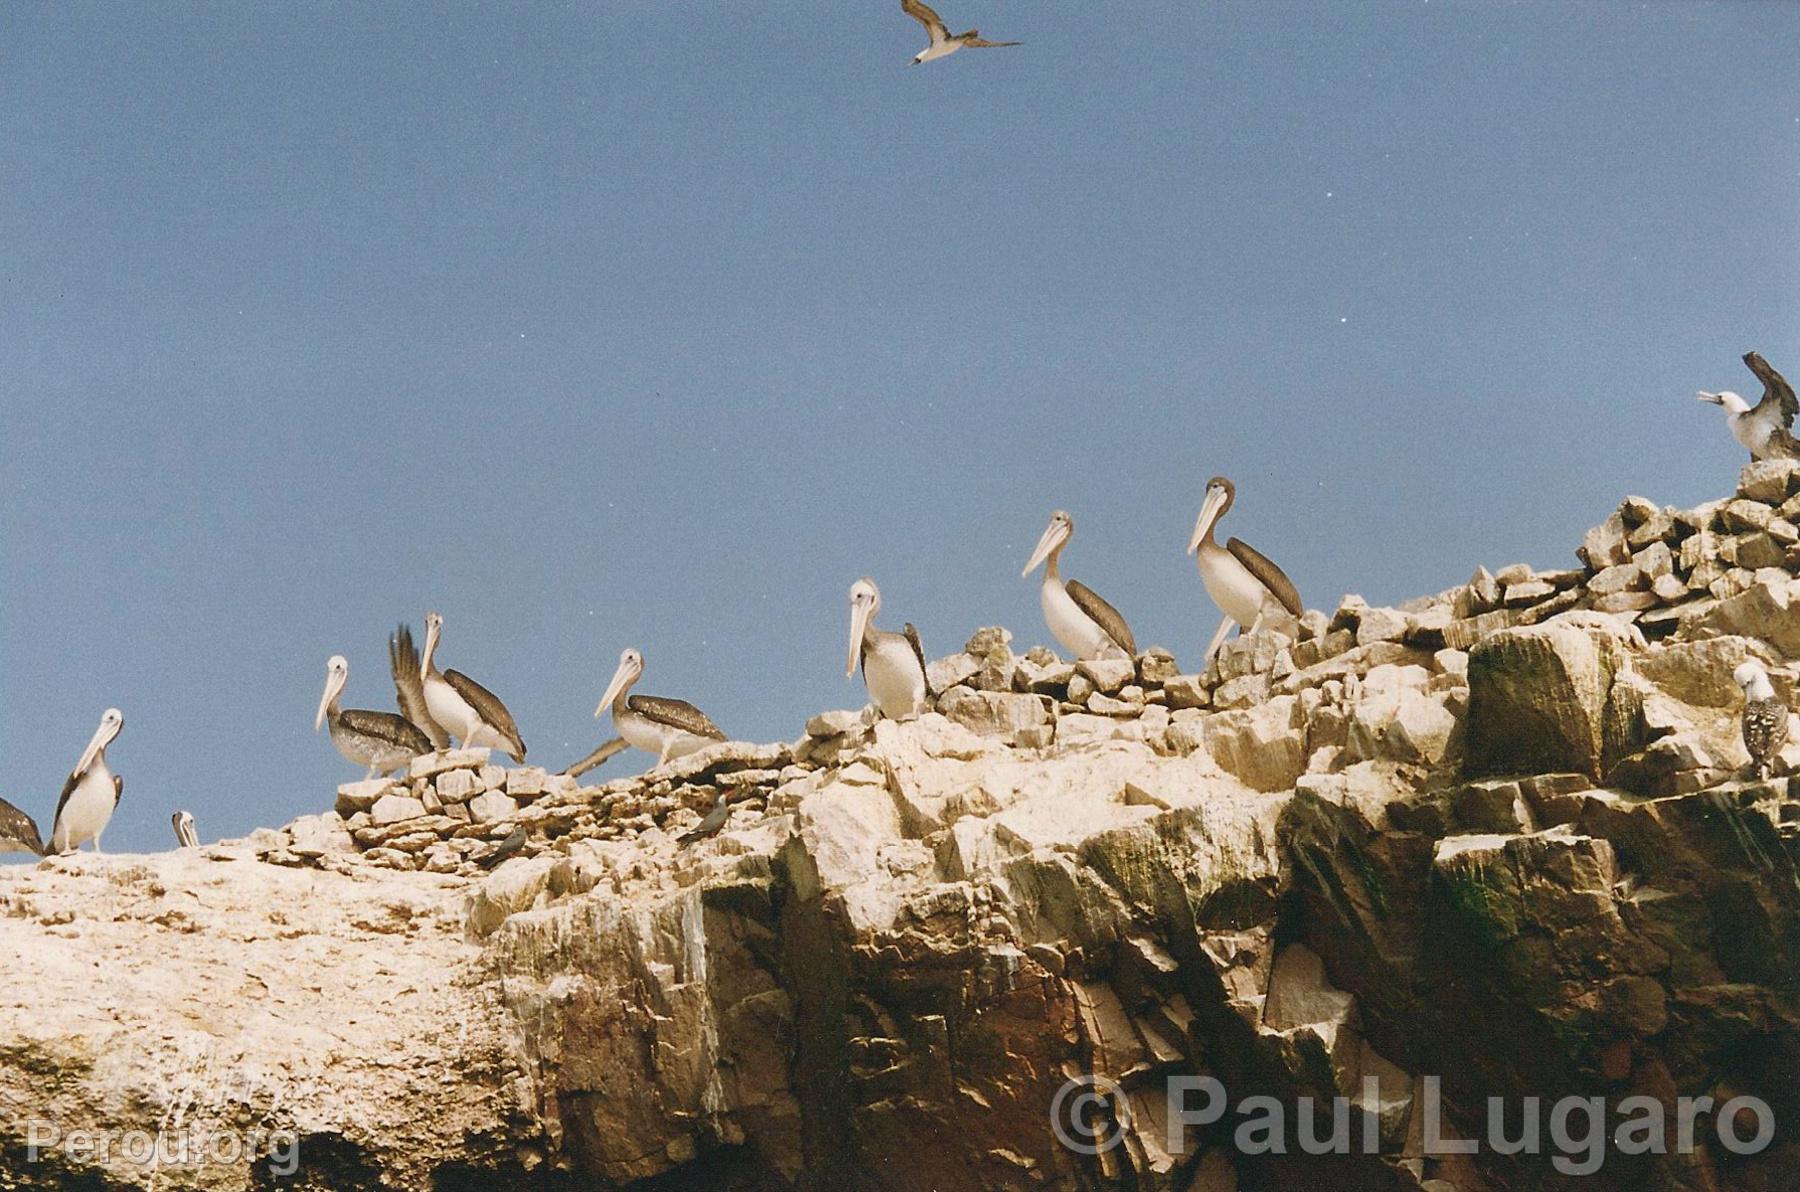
(943, 42)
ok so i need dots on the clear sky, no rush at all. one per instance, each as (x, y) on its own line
(658, 324)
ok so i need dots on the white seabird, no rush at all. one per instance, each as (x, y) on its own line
(1765, 718)
(463, 706)
(893, 664)
(943, 42)
(91, 793)
(1087, 626)
(669, 728)
(1765, 428)
(185, 835)
(1245, 583)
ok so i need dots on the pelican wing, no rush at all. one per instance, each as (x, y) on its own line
(487, 705)
(974, 40)
(118, 788)
(1102, 614)
(409, 688)
(598, 757)
(62, 800)
(19, 828)
(912, 637)
(1269, 575)
(1777, 393)
(934, 25)
(385, 726)
(676, 713)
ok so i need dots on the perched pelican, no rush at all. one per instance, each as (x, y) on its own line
(1763, 429)
(893, 663)
(185, 836)
(91, 793)
(1086, 625)
(943, 42)
(1765, 720)
(18, 831)
(409, 686)
(712, 823)
(1241, 579)
(669, 728)
(462, 705)
(381, 741)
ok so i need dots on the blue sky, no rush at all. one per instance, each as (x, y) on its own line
(657, 325)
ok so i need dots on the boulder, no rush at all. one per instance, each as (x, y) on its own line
(1542, 699)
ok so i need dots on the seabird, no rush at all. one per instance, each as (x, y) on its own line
(1086, 625)
(381, 741)
(409, 686)
(1763, 429)
(893, 664)
(18, 831)
(711, 823)
(1241, 580)
(463, 706)
(669, 728)
(1765, 720)
(91, 793)
(506, 848)
(943, 42)
(185, 836)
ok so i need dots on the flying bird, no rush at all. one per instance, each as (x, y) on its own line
(185, 836)
(669, 728)
(462, 705)
(1765, 428)
(712, 823)
(91, 793)
(18, 831)
(893, 664)
(1765, 719)
(381, 741)
(1086, 625)
(943, 42)
(1241, 580)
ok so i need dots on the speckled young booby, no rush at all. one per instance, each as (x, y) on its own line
(1242, 581)
(185, 835)
(669, 728)
(1086, 625)
(1765, 719)
(18, 831)
(463, 706)
(943, 42)
(381, 741)
(91, 793)
(893, 664)
(1765, 428)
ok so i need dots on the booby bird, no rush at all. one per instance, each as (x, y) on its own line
(1086, 625)
(463, 706)
(1765, 719)
(381, 741)
(943, 42)
(409, 686)
(185, 836)
(91, 793)
(1763, 429)
(712, 823)
(18, 831)
(1242, 581)
(669, 728)
(893, 663)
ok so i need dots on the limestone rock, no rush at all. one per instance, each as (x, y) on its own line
(390, 809)
(1542, 698)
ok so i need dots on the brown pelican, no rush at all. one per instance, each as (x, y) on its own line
(463, 706)
(409, 686)
(1763, 429)
(185, 836)
(943, 42)
(18, 831)
(91, 793)
(669, 728)
(1241, 580)
(893, 663)
(1086, 625)
(712, 823)
(1765, 720)
(381, 741)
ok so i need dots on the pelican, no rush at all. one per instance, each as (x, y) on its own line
(943, 42)
(185, 836)
(1241, 580)
(409, 686)
(1086, 625)
(381, 741)
(462, 705)
(1762, 428)
(18, 831)
(669, 728)
(91, 793)
(1765, 719)
(893, 663)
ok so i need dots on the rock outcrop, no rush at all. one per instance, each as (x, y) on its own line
(1493, 843)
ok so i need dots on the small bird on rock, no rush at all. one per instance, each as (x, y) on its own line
(1765, 720)
(506, 848)
(712, 824)
(1765, 429)
(185, 835)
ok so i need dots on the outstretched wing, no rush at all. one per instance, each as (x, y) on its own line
(487, 705)
(978, 42)
(1776, 391)
(934, 25)
(912, 636)
(385, 726)
(1102, 614)
(1269, 575)
(409, 688)
(16, 826)
(676, 713)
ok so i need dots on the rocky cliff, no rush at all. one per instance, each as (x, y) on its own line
(1491, 844)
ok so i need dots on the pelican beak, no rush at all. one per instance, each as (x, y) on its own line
(860, 612)
(1703, 395)
(620, 681)
(100, 740)
(431, 636)
(1209, 513)
(1052, 538)
(331, 689)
